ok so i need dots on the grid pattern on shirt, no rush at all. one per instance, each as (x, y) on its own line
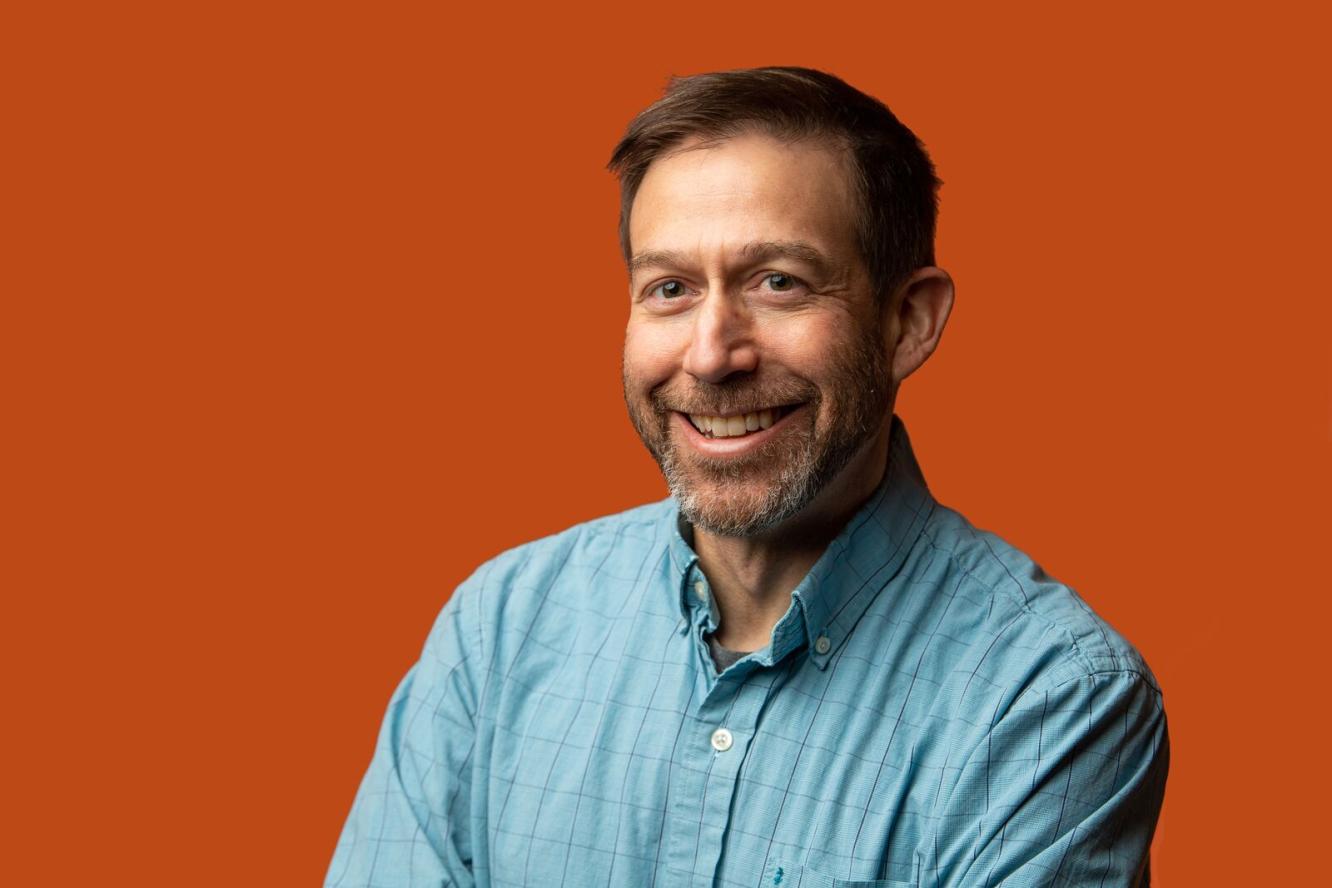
(933, 710)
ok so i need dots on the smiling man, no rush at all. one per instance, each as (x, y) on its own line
(800, 669)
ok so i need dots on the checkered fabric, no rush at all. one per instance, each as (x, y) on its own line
(932, 710)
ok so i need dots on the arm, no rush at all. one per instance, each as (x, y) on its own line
(410, 823)
(1063, 791)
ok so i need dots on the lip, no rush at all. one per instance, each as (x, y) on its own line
(729, 447)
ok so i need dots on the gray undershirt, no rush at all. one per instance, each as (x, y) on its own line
(722, 657)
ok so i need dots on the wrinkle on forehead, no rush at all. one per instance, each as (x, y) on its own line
(752, 131)
(717, 197)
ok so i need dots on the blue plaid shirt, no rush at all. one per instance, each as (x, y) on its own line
(932, 710)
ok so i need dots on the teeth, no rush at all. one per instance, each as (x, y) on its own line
(733, 426)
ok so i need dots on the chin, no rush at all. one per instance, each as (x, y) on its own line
(735, 508)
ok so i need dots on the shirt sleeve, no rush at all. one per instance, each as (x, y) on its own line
(1063, 791)
(410, 823)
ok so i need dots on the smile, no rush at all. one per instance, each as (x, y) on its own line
(737, 425)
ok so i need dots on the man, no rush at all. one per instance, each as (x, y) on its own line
(799, 670)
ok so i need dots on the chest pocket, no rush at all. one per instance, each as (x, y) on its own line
(781, 875)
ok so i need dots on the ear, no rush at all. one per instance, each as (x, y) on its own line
(919, 309)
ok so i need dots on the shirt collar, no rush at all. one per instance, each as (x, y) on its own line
(859, 562)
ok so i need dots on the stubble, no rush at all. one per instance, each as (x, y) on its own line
(748, 495)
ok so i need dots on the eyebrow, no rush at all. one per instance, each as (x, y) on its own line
(754, 252)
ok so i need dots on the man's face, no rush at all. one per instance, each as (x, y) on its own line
(754, 365)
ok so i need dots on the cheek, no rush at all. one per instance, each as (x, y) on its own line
(651, 354)
(821, 350)
(807, 347)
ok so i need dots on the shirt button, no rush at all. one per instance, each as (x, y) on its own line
(700, 590)
(721, 740)
(822, 645)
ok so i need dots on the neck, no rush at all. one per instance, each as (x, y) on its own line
(752, 577)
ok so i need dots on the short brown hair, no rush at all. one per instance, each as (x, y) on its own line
(894, 177)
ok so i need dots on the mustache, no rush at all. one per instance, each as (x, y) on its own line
(727, 398)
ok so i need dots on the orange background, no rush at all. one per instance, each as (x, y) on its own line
(308, 310)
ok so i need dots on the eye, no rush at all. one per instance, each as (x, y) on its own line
(780, 282)
(668, 290)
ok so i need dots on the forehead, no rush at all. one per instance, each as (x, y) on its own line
(716, 197)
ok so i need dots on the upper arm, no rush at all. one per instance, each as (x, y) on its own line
(1064, 790)
(410, 822)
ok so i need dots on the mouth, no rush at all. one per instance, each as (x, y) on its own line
(738, 425)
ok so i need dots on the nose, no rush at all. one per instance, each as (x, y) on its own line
(722, 340)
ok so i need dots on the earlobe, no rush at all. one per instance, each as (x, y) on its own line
(922, 305)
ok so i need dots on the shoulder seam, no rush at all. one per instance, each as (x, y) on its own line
(1020, 600)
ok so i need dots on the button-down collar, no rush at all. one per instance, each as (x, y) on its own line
(833, 596)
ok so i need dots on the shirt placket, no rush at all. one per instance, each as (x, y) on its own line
(709, 754)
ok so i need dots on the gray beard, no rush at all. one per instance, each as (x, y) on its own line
(755, 502)
(792, 490)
